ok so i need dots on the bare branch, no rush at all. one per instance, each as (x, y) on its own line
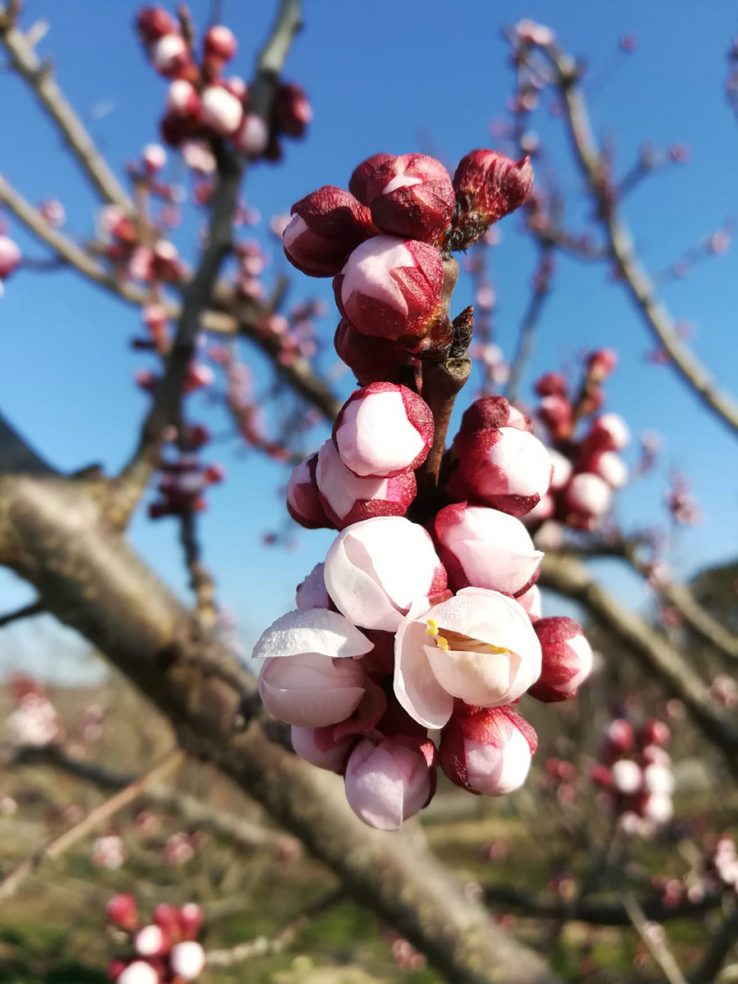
(71, 128)
(528, 326)
(201, 581)
(657, 946)
(94, 819)
(720, 945)
(27, 611)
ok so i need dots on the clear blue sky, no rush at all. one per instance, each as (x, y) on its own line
(395, 77)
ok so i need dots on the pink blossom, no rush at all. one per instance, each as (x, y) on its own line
(382, 430)
(138, 972)
(10, 256)
(487, 752)
(627, 776)
(122, 910)
(589, 495)
(346, 498)
(391, 288)
(376, 569)
(389, 780)
(170, 55)
(485, 548)
(320, 747)
(220, 43)
(151, 941)
(303, 500)
(187, 960)
(222, 112)
(312, 593)
(610, 432)
(478, 646)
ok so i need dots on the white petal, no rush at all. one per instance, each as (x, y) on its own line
(416, 688)
(312, 630)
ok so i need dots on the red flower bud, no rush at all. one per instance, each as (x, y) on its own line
(303, 501)
(567, 659)
(411, 196)
(391, 288)
(326, 226)
(488, 752)
(153, 23)
(122, 910)
(371, 359)
(551, 384)
(220, 43)
(292, 110)
(362, 173)
(489, 186)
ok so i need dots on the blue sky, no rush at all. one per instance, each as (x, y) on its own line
(394, 77)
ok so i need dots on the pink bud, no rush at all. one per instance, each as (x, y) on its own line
(488, 752)
(656, 732)
(567, 659)
(151, 941)
(253, 137)
(222, 112)
(220, 43)
(489, 185)
(557, 413)
(552, 384)
(187, 960)
(507, 469)
(626, 776)
(154, 157)
(532, 601)
(658, 808)
(319, 747)
(10, 256)
(183, 100)
(609, 466)
(601, 364)
(588, 495)
(491, 413)
(383, 430)
(376, 569)
(53, 212)
(325, 227)
(191, 918)
(153, 23)
(170, 56)
(122, 910)
(410, 196)
(562, 469)
(363, 172)
(138, 972)
(306, 679)
(610, 432)
(370, 359)
(478, 646)
(167, 918)
(619, 739)
(658, 779)
(390, 288)
(348, 498)
(292, 110)
(390, 780)
(485, 548)
(303, 500)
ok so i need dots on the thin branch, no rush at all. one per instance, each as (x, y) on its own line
(720, 945)
(656, 945)
(528, 326)
(572, 579)
(264, 946)
(201, 581)
(27, 611)
(190, 809)
(94, 819)
(71, 128)
(633, 276)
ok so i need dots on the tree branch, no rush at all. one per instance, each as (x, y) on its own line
(27, 611)
(70, 127)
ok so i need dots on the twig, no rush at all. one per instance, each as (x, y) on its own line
(40, 78)
(633, 276)
(193, 811)
(718, 949)
(657, 946)
(528, 325)
(27, 611)
(201, 581)
(269, 945)
(95, 818)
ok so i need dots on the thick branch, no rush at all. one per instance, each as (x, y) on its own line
(40, 79)
(572, 579)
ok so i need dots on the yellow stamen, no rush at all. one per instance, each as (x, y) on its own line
(459, 642)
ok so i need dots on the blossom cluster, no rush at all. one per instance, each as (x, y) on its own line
(164, 951)
(587, 467)
(424, 616)
(203, 102)
(34, 722)
(634, 769)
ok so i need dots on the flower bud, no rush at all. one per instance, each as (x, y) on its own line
(552, 384)
(488, 752)
(656, 732)
(557, 414)
(609, 432)
(491, 413)
(376, 569)
(489, 186)
(222, 112)
(608, 466)
(303, 500)
(601, 363)
(371, 359)
(588, 497)
(139, 972)
(122, 911)
(567, 659)
(325, 227)
(187, 960)
(220, 43)
(10, 256)
(507, 468)
(383, 430)
(627, 777)
(191, 918)
(151, 941)
(347, 498)
(658, 779)
(619, 739)
(183, 100)
(390, 288)
(562, 469)
(153, 23)
(532, 601)
(253, 137)
(478, 646)
(658, 808)
(485, 548)
(171, 56)
(167, 918)
(154, 158)
(319, 747)
(306, 679)
(363, 172)
(390, 780)
(292, 111)
(311, 593)
(410, 196)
